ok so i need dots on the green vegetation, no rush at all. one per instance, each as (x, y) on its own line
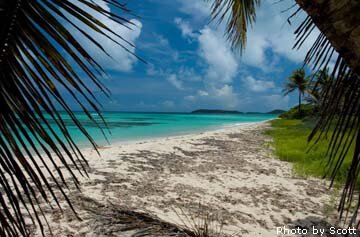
(297, 81)
(290, 143)
(307, 110)
(38, 53)
(220, 111)
(319, 87)
(312, 91)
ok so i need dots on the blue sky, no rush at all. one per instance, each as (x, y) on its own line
(190, 64)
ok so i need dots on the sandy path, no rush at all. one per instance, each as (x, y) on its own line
(229, 173)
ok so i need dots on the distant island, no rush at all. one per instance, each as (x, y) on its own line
(215, 111)
(276, 111)
(219, 111)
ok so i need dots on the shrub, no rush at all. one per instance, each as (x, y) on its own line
(307, 110)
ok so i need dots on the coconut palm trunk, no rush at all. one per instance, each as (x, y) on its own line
(332, 17)
(338, 22)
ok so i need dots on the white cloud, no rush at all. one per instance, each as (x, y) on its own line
(202, 93)
(257, 85)
(168, 104)
(190, 98)
(271, 39)
(183, 73)
(188, 74)
(152, 71)
(216, 96)
(226, 96)
(263, 103)
(198, 9)
(221, 67)
(216, 52)
(162, 41)
(275, 101)
(158, 48)
(120, 60)
(272, 32)
(186, 29)
(255, 51)
(175, 82)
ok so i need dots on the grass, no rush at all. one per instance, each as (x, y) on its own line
(290, 143)
(202, 223)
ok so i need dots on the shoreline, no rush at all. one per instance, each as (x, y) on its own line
(177, 135)
(214, 128)
(229, 173)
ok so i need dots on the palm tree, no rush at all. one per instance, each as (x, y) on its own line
(338, 22)
(39, 60)
(297, 81)
(39, 55)
(319, 86)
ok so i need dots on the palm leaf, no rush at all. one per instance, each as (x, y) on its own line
(297, 81)
(339, 110)
(340, 107)
(238, 14)
(39, 60)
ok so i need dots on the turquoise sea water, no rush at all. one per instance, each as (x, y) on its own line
(136, 126)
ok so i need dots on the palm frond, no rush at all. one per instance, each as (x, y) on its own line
(39, 60)
(319, 83)
(288, 89)
(338, 38)
(297, 81)
(340, 100)
(239, 15)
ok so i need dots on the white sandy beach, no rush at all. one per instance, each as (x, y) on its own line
(230, 173)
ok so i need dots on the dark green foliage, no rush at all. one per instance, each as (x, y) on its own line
(220, 111)
(307, 110)
(38, 56)
(276, 111)
(215, 111)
